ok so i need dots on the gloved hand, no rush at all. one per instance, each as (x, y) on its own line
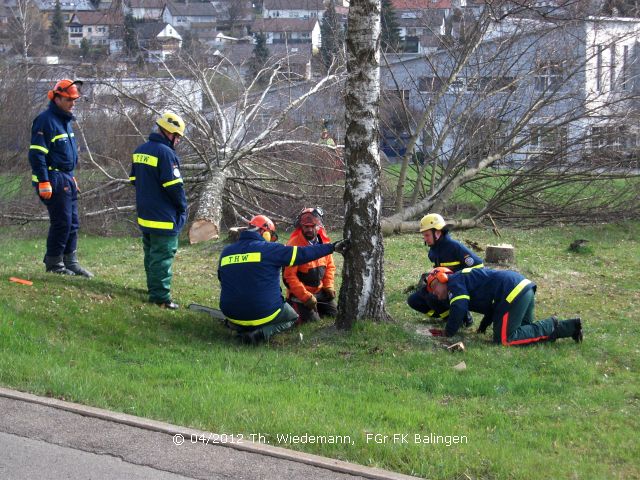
(44, 190)
(484, 324)
(437, 332)
(76, 182)
(341, 246)
(330, 292)
(311, 303)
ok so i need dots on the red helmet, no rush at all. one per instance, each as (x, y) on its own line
(441, 274)
(309, 216)
(265, 226)
(66, 88)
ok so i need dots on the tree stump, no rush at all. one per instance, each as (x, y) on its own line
(502, 254)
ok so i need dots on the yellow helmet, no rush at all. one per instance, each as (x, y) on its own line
(171, 122)
(433, 220)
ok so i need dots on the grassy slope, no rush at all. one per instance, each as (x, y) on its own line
(548, 411)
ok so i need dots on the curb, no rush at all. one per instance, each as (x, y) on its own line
(177, 431)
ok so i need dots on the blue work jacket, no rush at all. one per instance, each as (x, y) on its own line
(160, 198)
(53, 144)
(482, 290)
(447, 252)
(249, 274)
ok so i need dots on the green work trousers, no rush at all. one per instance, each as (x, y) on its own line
(284, 321)
(518, 327)
(159, 251)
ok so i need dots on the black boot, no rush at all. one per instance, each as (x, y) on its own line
(568, 328)
(56, 265)
(71, 263)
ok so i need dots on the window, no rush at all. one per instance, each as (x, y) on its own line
(89, 29)
(624, 74)
(599, 84)
(543, 138)
(612, 67)
(548, 76)
(612, 137)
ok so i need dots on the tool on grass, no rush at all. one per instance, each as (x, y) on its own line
(21, 281)
(213, 312)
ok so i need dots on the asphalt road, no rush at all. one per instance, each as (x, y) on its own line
(42, 438)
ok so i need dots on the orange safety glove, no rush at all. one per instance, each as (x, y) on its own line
(44, 190)
(311, 303)
(76, 182)
(330, 292)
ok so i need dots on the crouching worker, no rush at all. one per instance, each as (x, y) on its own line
(249, 274)
(505, 298)
(444, 251)
(310, 288)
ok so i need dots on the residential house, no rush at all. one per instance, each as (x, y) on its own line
(68, 7)
(289, 30)
(98, 28)
(158, 40)
(293, 9)
(183, 15)
(145, 9)
(529, 89)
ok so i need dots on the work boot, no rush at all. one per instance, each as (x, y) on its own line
(71, 263)
(168, 305)
(56, 265)
(567, 328)
(577, 334)
(253, 337)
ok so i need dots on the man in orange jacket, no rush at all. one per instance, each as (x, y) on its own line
(310, 287)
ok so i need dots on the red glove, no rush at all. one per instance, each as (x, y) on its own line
(44, 190)
(76, 182)
(437, 332)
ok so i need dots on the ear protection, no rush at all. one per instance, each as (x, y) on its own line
(441, 274)
(270, 236)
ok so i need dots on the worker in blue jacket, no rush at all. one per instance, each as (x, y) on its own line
(444, 251)
(161, 204)
(249, 274)
(53, 155)
(505, 298)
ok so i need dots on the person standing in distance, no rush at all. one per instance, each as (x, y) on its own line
(53, 155)
(161, 204)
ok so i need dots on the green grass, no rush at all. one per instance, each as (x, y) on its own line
(549, 411)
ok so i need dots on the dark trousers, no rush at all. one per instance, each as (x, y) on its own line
(63, 215)
(428, 303)
(283, 321)
(159, 251)
(518, 327)
(327, 307)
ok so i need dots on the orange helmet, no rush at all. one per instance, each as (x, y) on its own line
(441, 274)
(66, 88)
(265, 226)
(309, 216)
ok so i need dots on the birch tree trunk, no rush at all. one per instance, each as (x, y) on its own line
(208, 213)
(362, 291)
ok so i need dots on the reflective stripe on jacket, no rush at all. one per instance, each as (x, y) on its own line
(482, 290)
(160, 199)
(447, 252)
(53, 144)
(249, 273)
(309, 278)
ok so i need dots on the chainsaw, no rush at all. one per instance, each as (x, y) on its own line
(213, 312)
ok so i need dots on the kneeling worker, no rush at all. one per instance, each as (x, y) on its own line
(310, 286)
(249, 274)
(505, 298)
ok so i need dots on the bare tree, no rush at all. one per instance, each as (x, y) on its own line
(520, 98)
(362, 292)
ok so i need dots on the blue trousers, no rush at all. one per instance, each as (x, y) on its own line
(63, 214)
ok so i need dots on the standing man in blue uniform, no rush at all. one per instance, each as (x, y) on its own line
(53, 155)
(444, 251)
(161, 204)
(249, 274)
(507, 301)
